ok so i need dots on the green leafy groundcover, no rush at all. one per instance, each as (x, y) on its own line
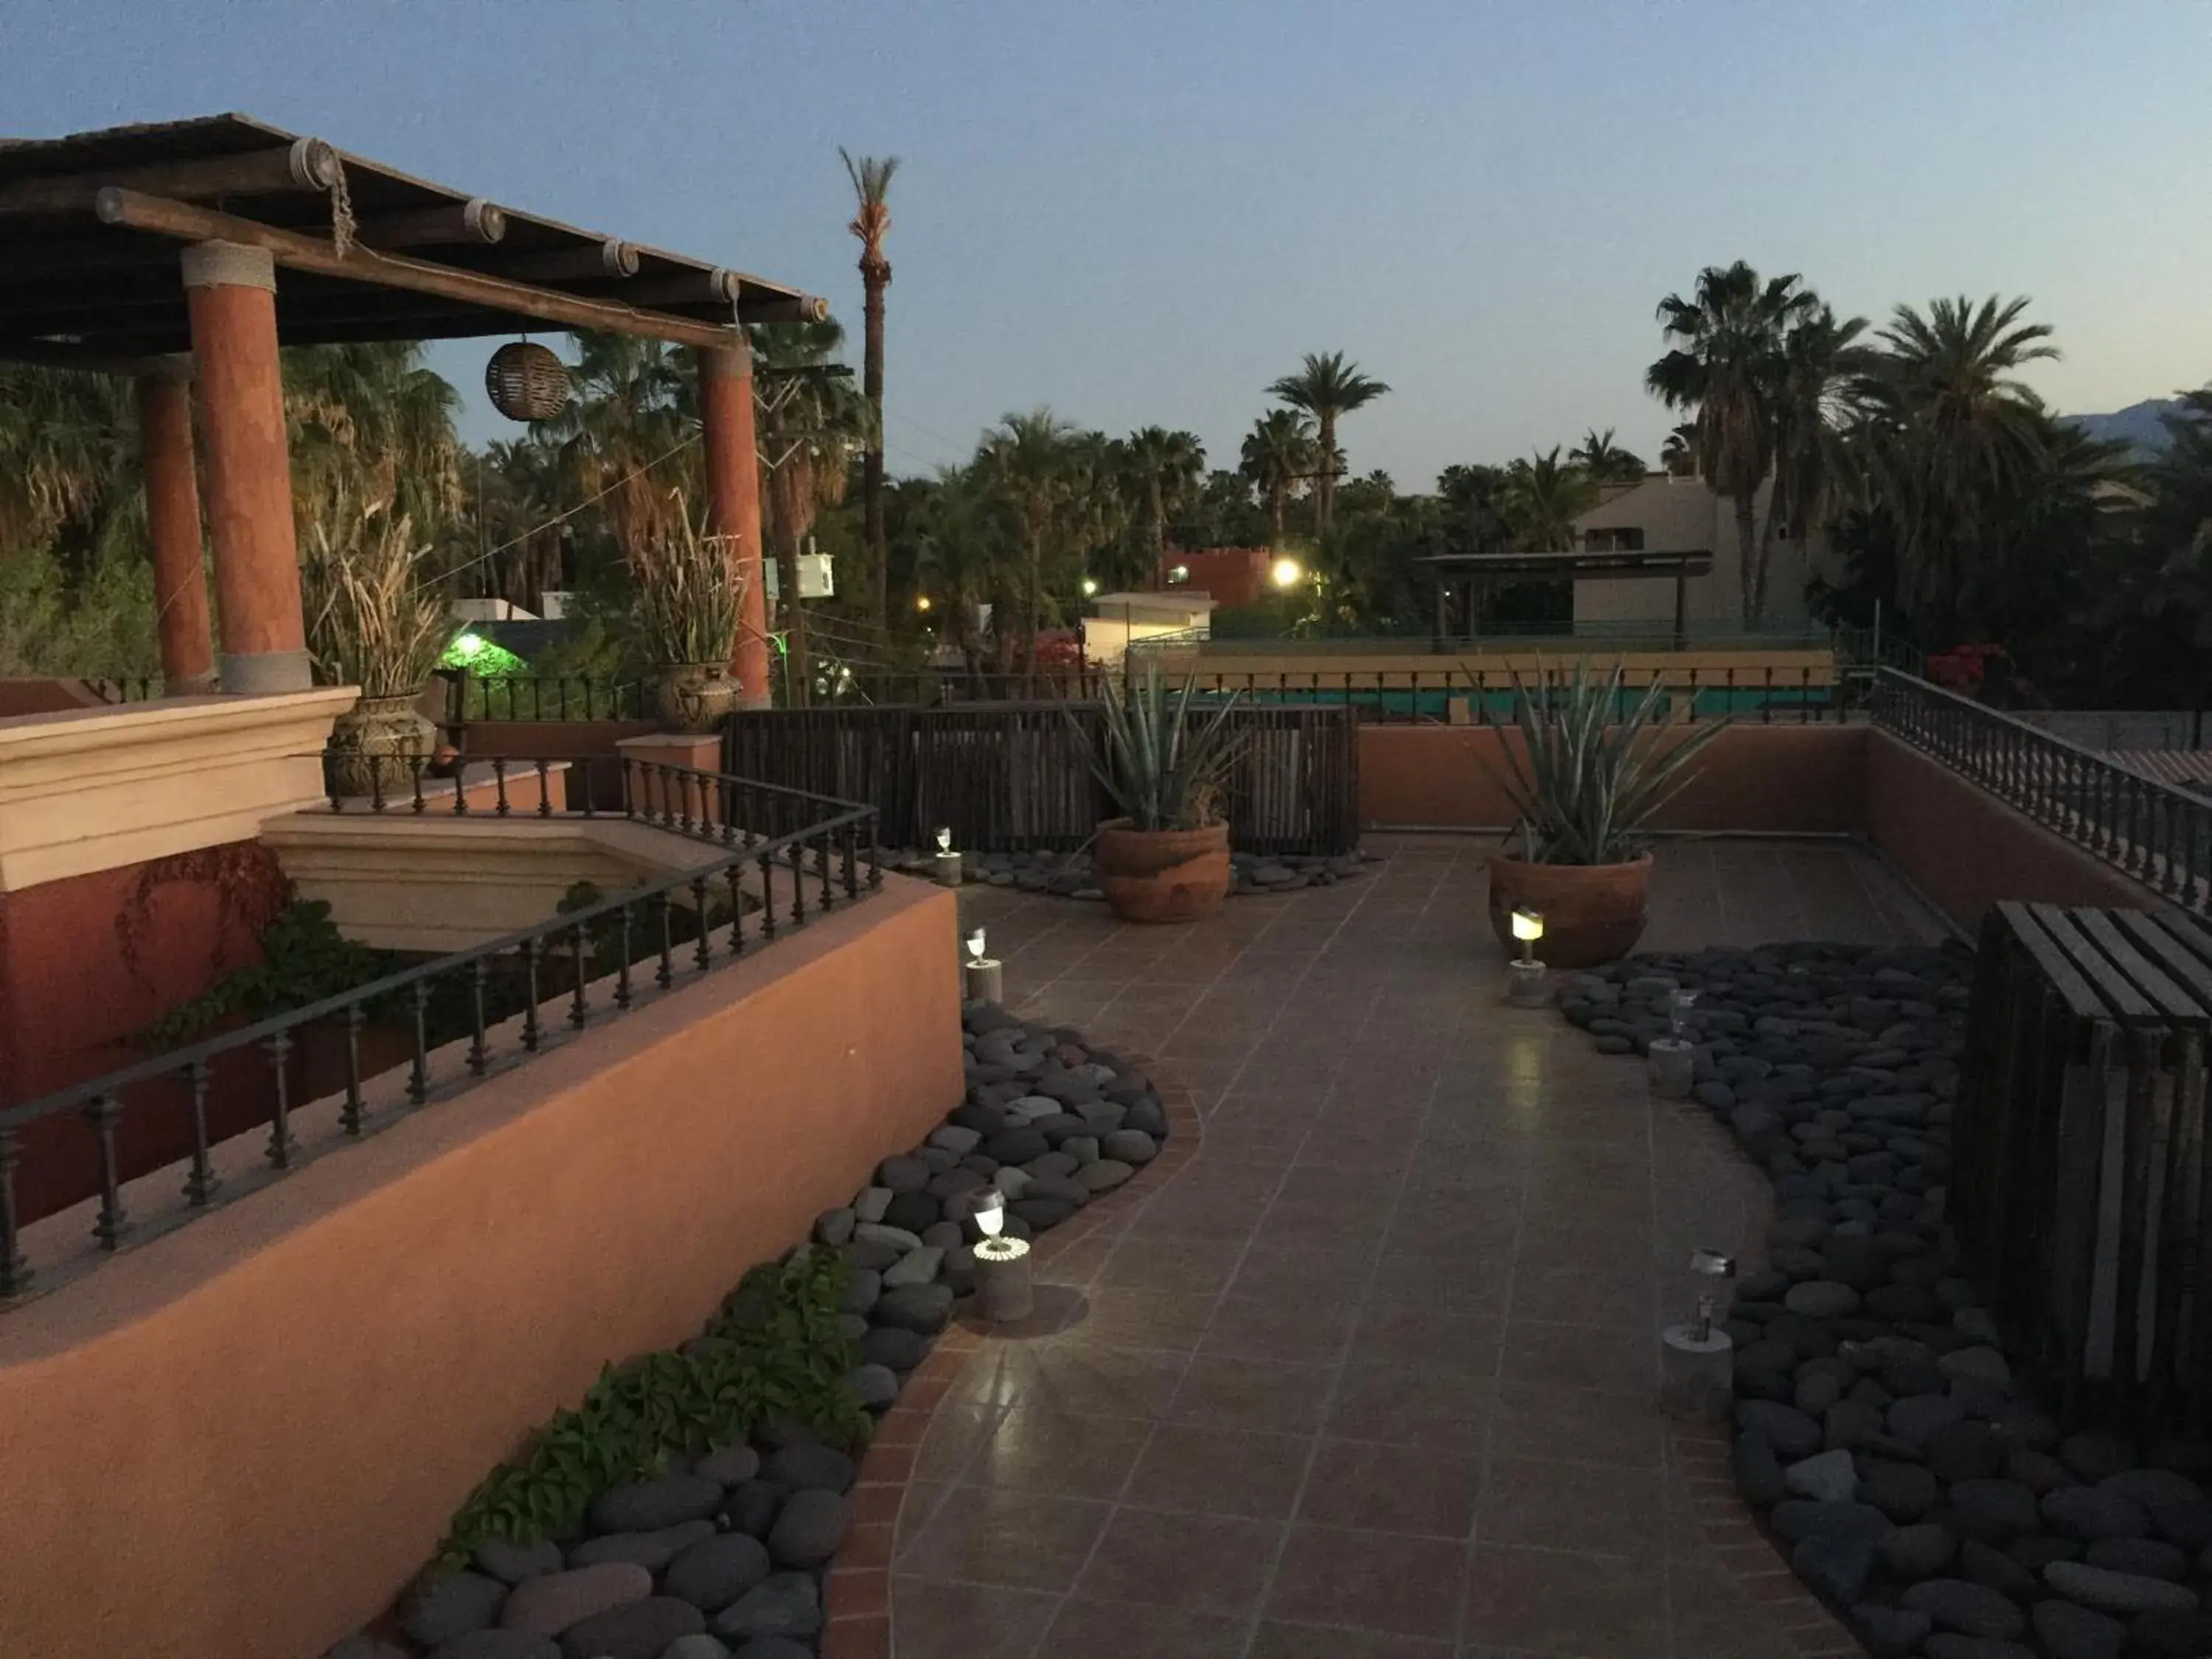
(774, 1351)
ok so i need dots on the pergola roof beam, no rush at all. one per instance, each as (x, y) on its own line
(305, 164)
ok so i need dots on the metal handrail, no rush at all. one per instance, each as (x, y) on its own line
(825, 855)
(2151, 831)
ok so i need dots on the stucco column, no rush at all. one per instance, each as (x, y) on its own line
(231, 294)
(173, 527)
(726, 413)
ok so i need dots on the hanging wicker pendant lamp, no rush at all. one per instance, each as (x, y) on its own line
(526, 382)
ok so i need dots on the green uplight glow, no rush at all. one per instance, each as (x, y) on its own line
(467, 646)
(482, 657)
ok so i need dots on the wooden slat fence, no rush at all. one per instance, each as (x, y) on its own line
(1005, 776)
(2080, 1185)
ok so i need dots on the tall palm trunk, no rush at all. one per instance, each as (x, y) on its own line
(1325, 477)
(1157, 527)
(1747, 551)
(875, 278)
(1278, 497)
(790, 489)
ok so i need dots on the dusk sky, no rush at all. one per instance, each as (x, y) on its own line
(1142, 213)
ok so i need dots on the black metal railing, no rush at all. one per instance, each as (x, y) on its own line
(764, 876)
(543, 697)
(2160, 835)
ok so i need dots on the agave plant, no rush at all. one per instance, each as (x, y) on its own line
(1166, 762)
(375, 618)
(1596, 768)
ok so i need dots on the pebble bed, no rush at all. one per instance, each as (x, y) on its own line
(727, 1555)
(1879, 1430)
(1069, 874)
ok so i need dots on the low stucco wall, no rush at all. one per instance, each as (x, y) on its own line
(1966, 849)
(1754, 780)
(241, 1438)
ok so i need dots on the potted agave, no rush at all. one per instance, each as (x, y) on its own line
(375, 620)
(686, 616)
(1164, 763)
(1589, 772)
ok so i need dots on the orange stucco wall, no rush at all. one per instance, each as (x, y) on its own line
(1968, 850)
(241, 1439)
(1754, 780)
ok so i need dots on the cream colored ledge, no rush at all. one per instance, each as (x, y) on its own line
(398, 882)
(101, 788)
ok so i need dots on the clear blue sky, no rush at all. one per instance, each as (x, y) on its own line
(1141, 212)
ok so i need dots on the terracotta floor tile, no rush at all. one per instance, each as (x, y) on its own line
(1125, 1318)
(1018, 1540)
(1131, 1630)
(967, 1621)
(1082, 1378)
(1442, 1409)
(1574, 1425)
(1712, 1617)
(1276, 1640)
(1048, 1452)
(1219, 1472)
(1611, 1361)
(1372, 1486)
(1369, 1580)
(1586, 1295)
(1304, 1331)
(1253, 1395)
(1141, 1263)
(1419, 1338)
(1554, 1601)
(1333, 1270)
(1205, 1563)
(1575, 1506)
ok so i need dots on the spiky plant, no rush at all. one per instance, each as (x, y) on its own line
(1166, 762)
(685, 608)
(1595, 771)
(374, 617)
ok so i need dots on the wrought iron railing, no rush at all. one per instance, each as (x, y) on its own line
(543, 697)
(777, 859)
(2157, 834)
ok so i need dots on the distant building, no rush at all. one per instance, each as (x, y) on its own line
(1677, 514)
(1230, 576)
(1117, 619)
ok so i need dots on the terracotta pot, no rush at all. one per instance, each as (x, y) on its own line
(1593, 912)
(694, 697)
(378, 745)
(1162, 875)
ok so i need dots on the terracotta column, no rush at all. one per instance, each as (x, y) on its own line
(725, 411)
(232, 293)
(172, 526)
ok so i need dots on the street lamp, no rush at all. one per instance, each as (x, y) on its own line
(1287, 572)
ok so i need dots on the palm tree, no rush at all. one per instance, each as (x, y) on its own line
(1542, 496)
(1165, 468)
(1606, 461)
(1955, 437)
(1474, 499)
(1679, 454)
(1817, 398)
(1025, 460)
(807, 421)
(68, 457)
(1724, 364)
(1325, 387)
(1277, 454)
(368, 422)
(964, 557)
(630, 433)
(871, 222)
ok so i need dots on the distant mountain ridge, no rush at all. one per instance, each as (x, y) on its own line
(2140, 426)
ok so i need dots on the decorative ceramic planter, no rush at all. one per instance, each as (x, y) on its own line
(378, 746)
(1162, 875)
(1593, 912)
(694, 697)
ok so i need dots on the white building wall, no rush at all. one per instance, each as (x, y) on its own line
(1681, 515)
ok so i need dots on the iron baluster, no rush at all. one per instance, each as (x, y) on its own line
(418, 1074)
(351, 1113)
(479, 1050)
(821, 865)
(15, 1269)
(622, 969)
(281, 1143)
(767, 894)
(113, 1225)
(702, 952)
(796, 860)
(666, 975)
(415, 789)
(530, 1034)
(737, 912)
(579, 1009)
(545, 790)
(499, 785)
(848, 839)
(200, 1182)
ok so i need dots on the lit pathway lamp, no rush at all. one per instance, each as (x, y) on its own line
(1673, 1058)
(987, 979)
(948, 861)
(1698, 1359)
(1002, 1264)
(1527, 983)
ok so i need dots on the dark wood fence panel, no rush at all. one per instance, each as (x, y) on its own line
(1003, 777)
(2080, 1179)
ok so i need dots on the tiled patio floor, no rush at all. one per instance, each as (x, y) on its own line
(1373, 1377)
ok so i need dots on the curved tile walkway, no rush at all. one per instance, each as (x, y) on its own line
(1365, 1366)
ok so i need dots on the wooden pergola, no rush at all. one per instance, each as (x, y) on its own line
(1480, 572)
(152, 252)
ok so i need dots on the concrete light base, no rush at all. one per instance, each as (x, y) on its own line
(1003, 1278)
(1696, 1374)
(1528, 984)
(987, 982)
(1672, 1067)
(948, 870)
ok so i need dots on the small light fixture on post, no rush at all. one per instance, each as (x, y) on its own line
(1002, 1264)
(1672, 1059)
(987, 979)
(1527, 983)
(948, 861)
(1090, 586)
(1697, 1359)
(1286, 573)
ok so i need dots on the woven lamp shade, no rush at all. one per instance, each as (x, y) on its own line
(526, 382)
